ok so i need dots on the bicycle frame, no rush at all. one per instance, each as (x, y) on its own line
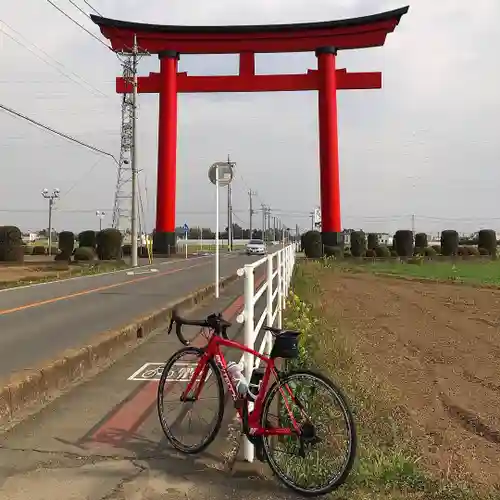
(213, 351)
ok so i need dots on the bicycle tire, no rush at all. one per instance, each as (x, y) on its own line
(190, 450)
(342, 400)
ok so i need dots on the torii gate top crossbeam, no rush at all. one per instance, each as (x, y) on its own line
(354, 33)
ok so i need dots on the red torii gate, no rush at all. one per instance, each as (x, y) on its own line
(325, 38)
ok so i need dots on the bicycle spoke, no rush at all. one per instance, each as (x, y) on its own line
(318, 459)
(190, 424)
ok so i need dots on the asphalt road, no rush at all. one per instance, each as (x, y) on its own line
(39, 321)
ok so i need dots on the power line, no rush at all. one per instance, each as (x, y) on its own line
(78, 24)
(49, 56)
(72, 2)
(95, 10)
(56, 132)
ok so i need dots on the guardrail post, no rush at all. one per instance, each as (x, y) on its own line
(249, 339)
(280, 288)
(269, 302)
(287, 271)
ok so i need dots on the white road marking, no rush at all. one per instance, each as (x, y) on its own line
(180, 372)
(146, 271)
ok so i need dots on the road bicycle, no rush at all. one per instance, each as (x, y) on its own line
(294, 421)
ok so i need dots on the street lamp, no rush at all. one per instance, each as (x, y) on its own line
(52, 198)
(101, 216)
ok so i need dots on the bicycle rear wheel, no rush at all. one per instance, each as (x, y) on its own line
(173, 382)
(303, 464)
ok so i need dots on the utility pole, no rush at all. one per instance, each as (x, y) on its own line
(264, 215)
(52, 197)
(133, 223)
(229, 212)
(268, 210)
(251, 194)
(130, 62)
(312, 220)
(413, 224)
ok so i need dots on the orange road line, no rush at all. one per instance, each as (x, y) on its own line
(93, 290)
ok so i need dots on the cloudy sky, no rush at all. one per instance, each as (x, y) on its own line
(427, 144)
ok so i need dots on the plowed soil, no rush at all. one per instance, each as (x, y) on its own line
(438, 346)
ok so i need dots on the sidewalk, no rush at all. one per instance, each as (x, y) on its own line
(103, 439)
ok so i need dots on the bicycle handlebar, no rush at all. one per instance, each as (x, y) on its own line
(214, 321)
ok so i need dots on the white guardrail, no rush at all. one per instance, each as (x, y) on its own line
(279, 269)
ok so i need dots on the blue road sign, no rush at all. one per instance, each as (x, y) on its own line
(186, 228)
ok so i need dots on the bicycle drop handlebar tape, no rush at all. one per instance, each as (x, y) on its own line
(180, 322)
(216, 323)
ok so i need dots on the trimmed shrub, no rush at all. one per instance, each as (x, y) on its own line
(109, 244)
(487, 239)
(382, 252)
(11, 244)
(39, 250)
(462, 251)
(66, 243)
(12, 253)
(371, 253)
(334, 252)
(10, 235)
(449, 242)
(358, 243)
(430, 252)
(347, 253)
(483, 251)
(87, 239)
(421, 240)
(313, 247)
(394, 253)
(84, 254)
(404, 242)
(372, 241)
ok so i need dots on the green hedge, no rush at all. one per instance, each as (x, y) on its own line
(449, 242)
(403, 240)
(313, 246)
(109, 244)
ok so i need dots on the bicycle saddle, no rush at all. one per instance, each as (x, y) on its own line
(279, 331)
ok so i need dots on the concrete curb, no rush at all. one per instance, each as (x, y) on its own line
(24, 392)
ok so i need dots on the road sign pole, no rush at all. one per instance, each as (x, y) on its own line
(186, 243)
(217, 232)
(219, 178)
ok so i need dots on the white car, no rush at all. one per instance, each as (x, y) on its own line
(256, 247)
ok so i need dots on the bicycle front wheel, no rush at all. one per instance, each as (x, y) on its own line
(185, 433)
(320, 459)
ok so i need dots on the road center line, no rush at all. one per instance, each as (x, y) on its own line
(97, 289)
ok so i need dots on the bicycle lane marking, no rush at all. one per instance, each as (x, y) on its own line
(126, 418)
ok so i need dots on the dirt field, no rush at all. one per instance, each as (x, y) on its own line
(15, 274)
(438, 347)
